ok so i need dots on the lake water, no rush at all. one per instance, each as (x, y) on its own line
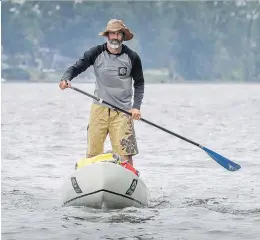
(191, 196)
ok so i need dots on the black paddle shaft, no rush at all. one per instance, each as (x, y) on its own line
(142, 119)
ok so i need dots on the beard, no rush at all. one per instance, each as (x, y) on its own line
(114, 43)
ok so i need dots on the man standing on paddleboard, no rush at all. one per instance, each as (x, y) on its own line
(117, 68)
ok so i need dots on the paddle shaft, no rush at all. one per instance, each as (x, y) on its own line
(224, 162)
(142, 119)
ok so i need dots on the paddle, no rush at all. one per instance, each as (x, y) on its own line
(224, 162)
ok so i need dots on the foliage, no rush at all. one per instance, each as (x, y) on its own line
(197, 40)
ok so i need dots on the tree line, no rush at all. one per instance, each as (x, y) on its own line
(196, 40)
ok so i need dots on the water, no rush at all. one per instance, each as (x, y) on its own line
(191, 196)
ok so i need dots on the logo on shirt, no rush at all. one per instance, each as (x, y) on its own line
(122, 71)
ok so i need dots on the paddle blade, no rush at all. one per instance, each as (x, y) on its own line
(224, 162)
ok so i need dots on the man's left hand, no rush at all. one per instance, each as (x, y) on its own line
(136, 114)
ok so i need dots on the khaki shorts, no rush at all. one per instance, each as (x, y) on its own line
(118, 125)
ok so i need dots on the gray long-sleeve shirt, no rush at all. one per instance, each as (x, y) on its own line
(114, 74)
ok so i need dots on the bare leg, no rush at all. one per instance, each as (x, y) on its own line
(128, 158)
(90, 156)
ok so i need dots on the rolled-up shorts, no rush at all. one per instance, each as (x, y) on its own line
(119, 126)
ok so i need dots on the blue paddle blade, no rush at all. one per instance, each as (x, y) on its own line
(224, 162)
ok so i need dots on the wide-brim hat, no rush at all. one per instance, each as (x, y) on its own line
(117, 25)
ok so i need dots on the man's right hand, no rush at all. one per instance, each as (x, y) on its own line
(64, 84)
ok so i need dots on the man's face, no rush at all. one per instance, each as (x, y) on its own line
(115, 39)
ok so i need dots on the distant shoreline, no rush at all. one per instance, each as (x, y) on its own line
(4, 81)
(150, 76)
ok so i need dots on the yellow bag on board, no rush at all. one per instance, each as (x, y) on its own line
(108, 157)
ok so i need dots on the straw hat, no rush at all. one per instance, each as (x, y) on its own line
(117, 25)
